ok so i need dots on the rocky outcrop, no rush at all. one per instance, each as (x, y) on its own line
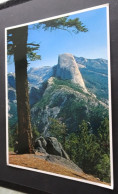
(61, 161)
(67, 69)
(55, 148)
(40, 145)
(51, 146)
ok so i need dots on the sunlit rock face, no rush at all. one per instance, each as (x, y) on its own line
(67, 69)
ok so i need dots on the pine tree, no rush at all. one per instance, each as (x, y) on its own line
(18, 47)
(88, 149)
(103, 137)
(58, 130)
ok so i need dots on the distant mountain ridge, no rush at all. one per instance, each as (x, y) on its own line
(99, 65)
(36, 76)
(52, 93)
(94, 73)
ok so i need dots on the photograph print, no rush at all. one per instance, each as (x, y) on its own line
(59, 96)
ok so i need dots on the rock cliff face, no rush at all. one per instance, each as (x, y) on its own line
(67, 69)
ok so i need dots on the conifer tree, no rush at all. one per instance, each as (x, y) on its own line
(18, 47)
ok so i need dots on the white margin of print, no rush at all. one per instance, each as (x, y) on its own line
(111, 186)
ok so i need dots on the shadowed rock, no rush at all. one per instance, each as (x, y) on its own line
(51, 146)
(43, 142)
(40, 145)
(55, 148)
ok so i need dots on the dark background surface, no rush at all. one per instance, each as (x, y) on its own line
(28, 12)
(11, 3)
(22, 189)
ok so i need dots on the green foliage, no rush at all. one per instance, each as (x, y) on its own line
(32, 56)
(93, 150)
(103, 136)
(58, 130)
(35, 133)
(32, 48)
(68, 83)
(64, 23)
(88, 148)
(46, 98)
(102, 169)
(89, 151)
(11, 149)
(72, 109)
(71, 146)
(75, 111)
(11, 140)
(97, 83)
(13, 111)
(13, 136)
(96, 116)
(84, 148)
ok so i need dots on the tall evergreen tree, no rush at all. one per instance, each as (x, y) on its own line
(88, 148)
(103, 137)
(19, 47)
(58, 130)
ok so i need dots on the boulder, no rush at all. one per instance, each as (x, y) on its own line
(50, 145)
(43, 142)
(64, 154)
(55, 148)
(40, 145)
(41, 150)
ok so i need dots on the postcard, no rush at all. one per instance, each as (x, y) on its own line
(58, 87)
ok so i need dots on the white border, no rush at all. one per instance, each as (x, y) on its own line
(109, 86)
(3, 1)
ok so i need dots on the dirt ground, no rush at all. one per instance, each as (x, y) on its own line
(31, 161)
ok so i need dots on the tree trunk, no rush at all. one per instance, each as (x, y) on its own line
(19, 39)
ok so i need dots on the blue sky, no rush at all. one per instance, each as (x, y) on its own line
(92, 44)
